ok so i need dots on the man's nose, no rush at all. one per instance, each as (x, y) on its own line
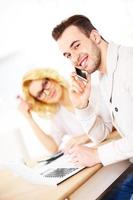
(74, 59)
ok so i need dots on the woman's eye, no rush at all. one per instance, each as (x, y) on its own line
(46, 84)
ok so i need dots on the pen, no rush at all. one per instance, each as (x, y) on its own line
(54, 157)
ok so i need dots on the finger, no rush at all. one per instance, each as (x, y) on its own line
(73, 158)
(88, 85)
(69, 146)
(78, 86)
(77, 163)
(72, 150)
(76, 89)
(66, 150)
(20, 98)
(77, 80)
(80, 83)
(88, 77)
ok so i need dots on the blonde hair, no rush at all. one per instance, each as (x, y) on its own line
(42, 108)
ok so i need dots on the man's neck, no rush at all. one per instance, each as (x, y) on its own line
(103, 64)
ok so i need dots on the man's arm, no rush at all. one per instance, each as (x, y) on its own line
(116, 150)
(97, 124)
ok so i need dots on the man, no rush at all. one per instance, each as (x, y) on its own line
(81, 43)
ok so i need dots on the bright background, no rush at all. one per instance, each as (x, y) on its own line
(26, 42)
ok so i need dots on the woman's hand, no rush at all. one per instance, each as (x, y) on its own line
(24, 107)
(80, 91)
(47, 140)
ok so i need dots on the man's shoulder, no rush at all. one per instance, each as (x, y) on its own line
(121, 47)
(126, 51)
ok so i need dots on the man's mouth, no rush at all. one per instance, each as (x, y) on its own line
(83, 62)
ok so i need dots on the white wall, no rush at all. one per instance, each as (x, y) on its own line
(26, 42)
(25, 36)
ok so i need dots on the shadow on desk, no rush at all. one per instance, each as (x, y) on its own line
(117, 181)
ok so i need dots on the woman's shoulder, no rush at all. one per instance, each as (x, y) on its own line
(63, 114)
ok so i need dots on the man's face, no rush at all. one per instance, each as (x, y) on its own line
(80, 49)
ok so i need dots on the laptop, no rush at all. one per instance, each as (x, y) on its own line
(57, 171)
(12, 147)
(60, 169)
(45, 173)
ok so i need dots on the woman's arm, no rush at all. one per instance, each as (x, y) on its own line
(44, 138)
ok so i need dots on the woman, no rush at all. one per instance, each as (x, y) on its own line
(46, 93)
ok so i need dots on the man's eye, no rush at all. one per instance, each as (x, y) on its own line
(76, 46)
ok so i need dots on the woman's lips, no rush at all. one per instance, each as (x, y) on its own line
(52, 94)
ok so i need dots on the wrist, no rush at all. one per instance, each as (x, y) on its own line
(97, 157)
(84, 139)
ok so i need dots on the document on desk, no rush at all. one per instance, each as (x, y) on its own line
(51, 173)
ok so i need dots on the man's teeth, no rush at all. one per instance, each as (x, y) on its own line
(83, 63)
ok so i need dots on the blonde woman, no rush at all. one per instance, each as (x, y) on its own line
(46, 94)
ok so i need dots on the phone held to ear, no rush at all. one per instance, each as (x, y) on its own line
(81, 74)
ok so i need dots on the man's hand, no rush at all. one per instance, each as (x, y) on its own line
(80, 91)
(84, 156)
(73, 141)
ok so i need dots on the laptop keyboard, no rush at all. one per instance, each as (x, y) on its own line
(59, 172)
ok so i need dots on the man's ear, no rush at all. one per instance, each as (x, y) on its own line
(95, 36)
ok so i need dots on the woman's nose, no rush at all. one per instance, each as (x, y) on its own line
(46, 92)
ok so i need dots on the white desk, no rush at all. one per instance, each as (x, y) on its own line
(88, 184)
(100, 181)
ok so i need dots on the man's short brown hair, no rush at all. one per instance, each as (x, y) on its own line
(80, 21)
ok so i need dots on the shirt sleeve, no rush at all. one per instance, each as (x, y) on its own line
(49, 127)
(116, 151)
(95, 119)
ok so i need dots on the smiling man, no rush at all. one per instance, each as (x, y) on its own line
(81, 43)
(82, 51)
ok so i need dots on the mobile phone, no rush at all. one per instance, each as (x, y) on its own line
(80, 73)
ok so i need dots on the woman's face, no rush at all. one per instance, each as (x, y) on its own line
(46, 90)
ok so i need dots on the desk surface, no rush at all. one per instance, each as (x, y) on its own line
(13, 187)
